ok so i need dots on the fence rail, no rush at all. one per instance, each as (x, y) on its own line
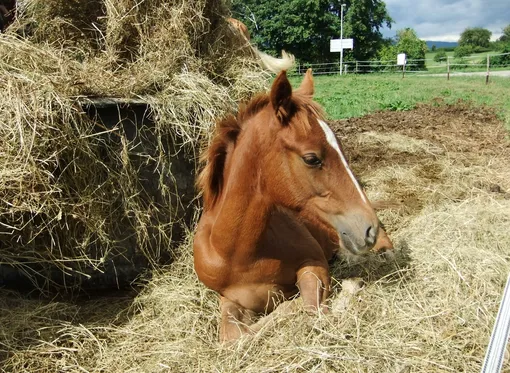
(418, 66)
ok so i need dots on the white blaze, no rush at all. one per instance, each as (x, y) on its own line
(330, 136)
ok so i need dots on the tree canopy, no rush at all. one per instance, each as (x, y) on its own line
(463, 51)
(440, 56)
(406, 42)
(305, 27)
(506, 34)
(475, 37)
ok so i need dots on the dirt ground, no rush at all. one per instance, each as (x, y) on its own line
(458, 127)
(461, 133)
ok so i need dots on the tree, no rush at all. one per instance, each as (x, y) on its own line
(440, 56)
(414, 48)
(502, 60)
(475, 37)
(304, 27)
(463, 51)
(386, 58)
(406, 41)
(506, 34)
(364, 19)
(433, 49)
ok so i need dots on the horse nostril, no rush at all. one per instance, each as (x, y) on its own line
(370, 236)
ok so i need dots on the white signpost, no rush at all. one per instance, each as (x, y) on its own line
(401, 61)
(338, 45)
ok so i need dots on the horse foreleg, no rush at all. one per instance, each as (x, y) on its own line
(313, 283)
(235, 320)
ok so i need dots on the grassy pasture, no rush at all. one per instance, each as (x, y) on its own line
(475, 57)
(429, 57)
(354, 96)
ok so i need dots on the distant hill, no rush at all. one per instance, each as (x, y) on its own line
(441, 44)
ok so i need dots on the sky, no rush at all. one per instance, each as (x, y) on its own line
(444, 20)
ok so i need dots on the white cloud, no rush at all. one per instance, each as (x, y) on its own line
(444, 20)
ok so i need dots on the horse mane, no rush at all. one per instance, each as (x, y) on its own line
(210, 179)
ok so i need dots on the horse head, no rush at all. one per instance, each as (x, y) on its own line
(304, 169)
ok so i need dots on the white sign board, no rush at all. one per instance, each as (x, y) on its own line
(336, 45)
(401, 59)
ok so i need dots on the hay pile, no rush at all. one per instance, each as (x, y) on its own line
(71, 196)
(431, 310)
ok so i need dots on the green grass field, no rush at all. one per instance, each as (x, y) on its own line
(474, 58)
(353, 96)
(429, 57)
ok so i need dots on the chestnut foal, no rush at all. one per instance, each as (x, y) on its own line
(279, 200)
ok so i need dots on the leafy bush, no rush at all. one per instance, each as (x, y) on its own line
(463, 51)
(406, 42)
(503, 60)
(482, 49)
(397, 105)
(440, 56)
(459, 63)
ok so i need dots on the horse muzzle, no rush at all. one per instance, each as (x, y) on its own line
(357, 234)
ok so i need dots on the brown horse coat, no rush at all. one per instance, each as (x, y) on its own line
(279, 200)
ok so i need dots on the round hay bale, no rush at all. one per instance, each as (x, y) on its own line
(93, 193)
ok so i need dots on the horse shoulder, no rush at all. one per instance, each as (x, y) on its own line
(210, 267)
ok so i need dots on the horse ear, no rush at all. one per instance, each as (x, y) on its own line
(281, 93)
(307, 87)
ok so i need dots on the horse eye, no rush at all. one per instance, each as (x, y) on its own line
(312, 160)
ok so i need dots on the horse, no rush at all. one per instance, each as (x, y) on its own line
(279, 201)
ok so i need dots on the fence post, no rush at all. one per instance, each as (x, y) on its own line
(356, 66)
(488, 69)
(403, 70)
(447, 67)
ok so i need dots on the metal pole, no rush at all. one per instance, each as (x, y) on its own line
(341, 37)
(495, 353)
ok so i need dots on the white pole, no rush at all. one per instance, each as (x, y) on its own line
(341, 36)
(495, 353)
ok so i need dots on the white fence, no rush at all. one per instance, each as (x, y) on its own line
(480, 62)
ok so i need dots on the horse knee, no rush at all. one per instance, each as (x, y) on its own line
(235, 320)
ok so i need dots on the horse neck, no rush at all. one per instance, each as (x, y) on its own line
(242, 211)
